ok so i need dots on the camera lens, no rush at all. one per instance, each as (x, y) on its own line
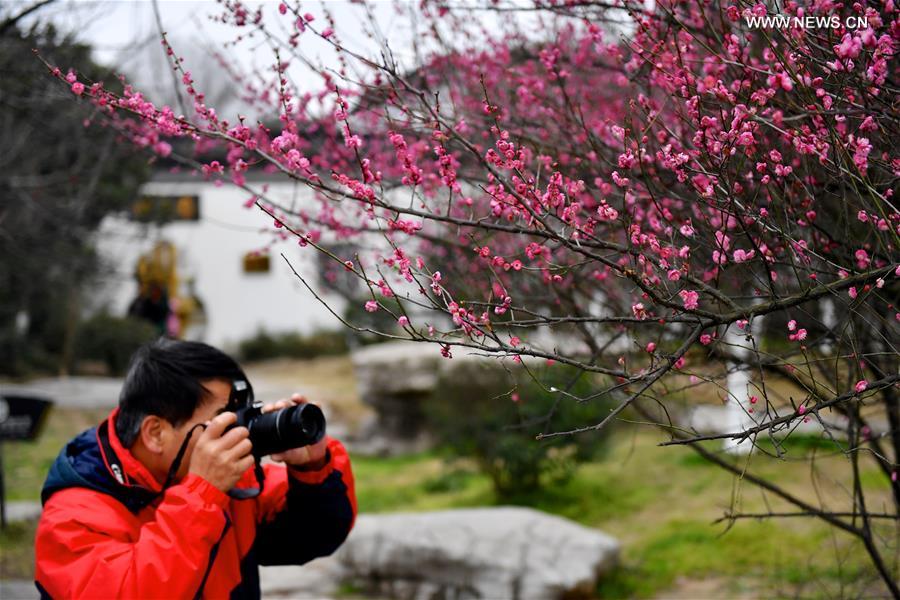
(310, 420)
(291, 427)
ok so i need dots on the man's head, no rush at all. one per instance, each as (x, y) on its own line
(170, 387)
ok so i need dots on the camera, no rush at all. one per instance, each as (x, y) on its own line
(292, 427)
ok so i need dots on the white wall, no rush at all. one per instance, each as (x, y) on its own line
(211, 251)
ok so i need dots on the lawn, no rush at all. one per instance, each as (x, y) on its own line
(660, 502)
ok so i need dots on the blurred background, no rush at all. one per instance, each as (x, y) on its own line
(103, 251)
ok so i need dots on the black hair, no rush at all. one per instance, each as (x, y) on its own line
(165, 379)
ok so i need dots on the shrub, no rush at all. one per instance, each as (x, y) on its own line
(112, 340)
(492, 416)
(266, 345)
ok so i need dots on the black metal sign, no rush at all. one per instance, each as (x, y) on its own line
(21, 417)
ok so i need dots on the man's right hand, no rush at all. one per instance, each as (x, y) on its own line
(222, 459)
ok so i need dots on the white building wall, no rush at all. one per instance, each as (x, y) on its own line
(211, 251)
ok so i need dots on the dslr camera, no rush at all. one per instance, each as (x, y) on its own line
(292, 427)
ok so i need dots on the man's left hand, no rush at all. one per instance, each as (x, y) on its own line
(307, 458)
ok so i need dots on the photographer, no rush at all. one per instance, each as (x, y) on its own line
(166, 499)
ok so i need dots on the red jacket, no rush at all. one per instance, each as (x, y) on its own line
(108, 537)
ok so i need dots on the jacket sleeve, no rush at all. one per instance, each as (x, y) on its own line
(89, 546)
(306, 514)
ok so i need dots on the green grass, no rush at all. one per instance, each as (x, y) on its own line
(801, 445)
(26, 463)
(660, 502)
(17, 550)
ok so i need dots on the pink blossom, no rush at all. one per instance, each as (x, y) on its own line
(706, 339)
(861, 386)
(403, 321)
(651, 347)
(799, 336)
(164, 149)
(674, 275)
(213, 168)
(861, 149)
(77, 88)
(627, 160)
(352, 141)
(639, 311)
(690, 298)
(849, 47)
(436, 283)
(723, 241)
(868, 124)
(801, 409)
(606, 212)
(740, 256)
(792, 325)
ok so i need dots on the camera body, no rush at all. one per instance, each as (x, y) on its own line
(292, 427)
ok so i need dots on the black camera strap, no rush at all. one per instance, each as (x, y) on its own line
(176, 464)
(247, 493)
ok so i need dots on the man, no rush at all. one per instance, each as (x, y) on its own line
(139, 507)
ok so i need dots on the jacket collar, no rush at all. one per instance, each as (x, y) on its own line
(133, 471)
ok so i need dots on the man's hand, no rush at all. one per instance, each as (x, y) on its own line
(222, 459)
(307, 458)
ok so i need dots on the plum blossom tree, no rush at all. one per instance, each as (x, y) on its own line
(661, 194)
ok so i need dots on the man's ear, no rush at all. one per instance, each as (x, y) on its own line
(154, 430)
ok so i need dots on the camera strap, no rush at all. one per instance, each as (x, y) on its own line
(247, 493)
(176, 464)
